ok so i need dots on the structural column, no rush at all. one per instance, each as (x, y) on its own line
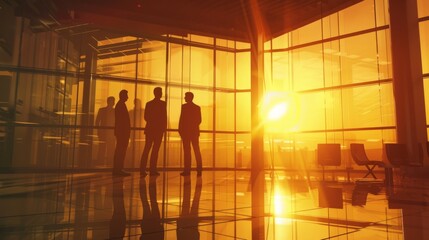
(408, 79)
(87, 119)
(257, 35)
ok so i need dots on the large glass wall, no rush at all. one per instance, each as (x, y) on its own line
(340, 89)
(335, 89)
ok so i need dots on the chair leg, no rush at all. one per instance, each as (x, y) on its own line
(370, 171)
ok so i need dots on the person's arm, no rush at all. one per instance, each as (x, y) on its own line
(199, 119)
(181, 122)
(98, 118)
(164, 115)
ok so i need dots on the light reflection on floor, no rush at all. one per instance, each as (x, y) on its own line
(214, 206)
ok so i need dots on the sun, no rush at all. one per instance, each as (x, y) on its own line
(280, 111)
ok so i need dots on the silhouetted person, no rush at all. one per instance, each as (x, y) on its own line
(151, 225)
(106, 118)
(189, 130)
(117, 222)
(187, 224)
(137, 136)
(122, 133)
(156, 122)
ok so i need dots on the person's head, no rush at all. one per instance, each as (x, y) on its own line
(123, 95)
(137, 103)
(110, 101)
(189, 96)
(157, 92)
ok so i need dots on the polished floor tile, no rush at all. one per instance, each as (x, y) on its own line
(217, 205)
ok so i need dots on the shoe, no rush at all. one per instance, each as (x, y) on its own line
(154, 173)
(185, 173)
(121, 174)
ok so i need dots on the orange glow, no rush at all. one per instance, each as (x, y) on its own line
(280, 111)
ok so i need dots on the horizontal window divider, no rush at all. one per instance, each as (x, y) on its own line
(375, 82)
(329, 39)
(54, 72)
(426, 18)
(347, 129)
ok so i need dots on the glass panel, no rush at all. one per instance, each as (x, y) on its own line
(201, 67)
(330, 26)
(281, 76)
(361, 106)
(426, 89)
(308, 33)
(382, 12)
(225, 150)
(281, 41)
(174, 150)
(202, 39)
(225, 109)
(359, 61)
(7, 33)
(332, 63)
(206, 147)
(151, 61)
(312, 114)
(175, 59)
(225, 69)
(384, 55)
(243, 111)
(424, 44)
(243, 147)
(356, 18)
(242, 70)
(423, 7)
(307, 67)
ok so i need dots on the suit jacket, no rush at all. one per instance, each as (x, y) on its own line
(156, 116)
(122, 120)
(190, 120)
(105, 117)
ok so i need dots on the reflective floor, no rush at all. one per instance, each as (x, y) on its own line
(217, 205)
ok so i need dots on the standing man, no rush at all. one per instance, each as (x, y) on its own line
(122, 133)
(189, 130)
(106, 137)
(156, 122)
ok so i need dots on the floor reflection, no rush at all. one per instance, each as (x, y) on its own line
(214, 206)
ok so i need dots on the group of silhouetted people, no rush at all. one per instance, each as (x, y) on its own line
(155, 115)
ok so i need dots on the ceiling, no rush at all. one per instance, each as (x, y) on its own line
(228, 19)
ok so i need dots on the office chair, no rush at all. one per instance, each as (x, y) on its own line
(361, 159)
(328, 154)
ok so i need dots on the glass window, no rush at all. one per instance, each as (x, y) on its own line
(424, 44)
(243, 146)
(308, 33)
(423, 7)
(359, 61)
(358, 17)
(201, 61)
(312, 113)
(225, 69)
(281, 72)
(151, 61)
(307, 68)
(361, 106)
(281, 41)
(242, 70)
(225, 150)
(225, 109)
(243, 121)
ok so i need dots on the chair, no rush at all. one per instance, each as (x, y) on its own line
(328, 154)
(396, 154)
(359, 156)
